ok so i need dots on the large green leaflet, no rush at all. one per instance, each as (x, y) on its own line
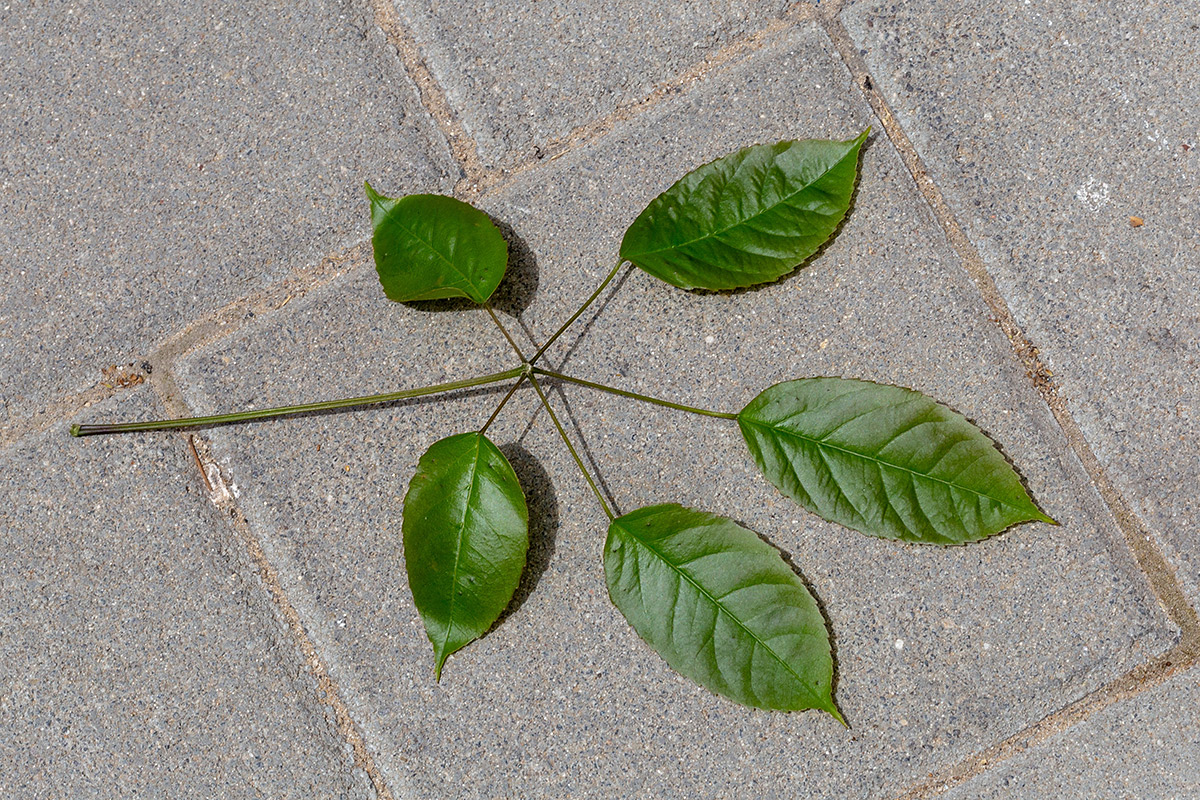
(466, 532)
(747, 218)
(721, 606)
(429, 247)
(884, 460)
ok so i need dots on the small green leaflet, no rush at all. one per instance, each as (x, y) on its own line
(466, 531)
(721, 607)
(884, 460)
(429, 247)
(750, 217)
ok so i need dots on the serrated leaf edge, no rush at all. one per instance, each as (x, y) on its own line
(855, 147)
(821, 703)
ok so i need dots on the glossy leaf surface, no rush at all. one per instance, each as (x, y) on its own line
(720, 606)
(748, 218)
(429, 247)
(884, 460)
(466, 532)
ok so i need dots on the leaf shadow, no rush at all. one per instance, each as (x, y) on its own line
(516, 290)
(543, 523)
(521, 279)
(788, 559)
(816, 254)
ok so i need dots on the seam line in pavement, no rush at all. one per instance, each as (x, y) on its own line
(480, 180)
(433, 96)
(676, 85)
(1158, 571)
(329, 694)
(216, 325)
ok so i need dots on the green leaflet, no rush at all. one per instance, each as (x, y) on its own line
(429, 247)
(720, 606)
(466, 531)
(747, 218)
(884, 460)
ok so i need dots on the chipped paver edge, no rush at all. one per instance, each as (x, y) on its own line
(165, 388)
(1157, 570)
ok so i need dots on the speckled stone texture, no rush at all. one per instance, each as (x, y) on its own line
(940, 652)
(1049, 127)
(523, 74)
(158, 160)
(139, 656)
(1146, 747)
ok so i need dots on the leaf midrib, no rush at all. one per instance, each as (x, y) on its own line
(812, 694)
(462, 528)
(772, 207)
(909, 470)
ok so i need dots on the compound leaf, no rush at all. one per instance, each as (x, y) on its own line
(720, 606)
(466, 532)
(429, 247)
(884, 460)
(747, 218)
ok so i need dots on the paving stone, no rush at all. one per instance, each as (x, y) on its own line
(139, 656)
(160, 160)
(523, 75)
(940, 652)
(1143, 748)
(1049, 127)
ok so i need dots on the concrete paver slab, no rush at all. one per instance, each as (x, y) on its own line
(1146, 747)
(139, 657)
(940, 651)
(1050, 127)
(523, 75)
(158, 162)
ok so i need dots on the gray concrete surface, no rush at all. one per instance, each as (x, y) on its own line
(939, 651)
(1144, 747)
(522, 77)
(139, 656)
(1048, 126)
(158, 162)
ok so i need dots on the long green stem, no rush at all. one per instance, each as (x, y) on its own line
(243, 416)
(643, 397)
(575, 316)
(578, 461)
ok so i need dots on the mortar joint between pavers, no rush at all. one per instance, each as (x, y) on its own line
(1140, 679)
(328, 692)
(582, 135)
(1155, 567)
(161, 357)
(433, 98)
(1150, 560)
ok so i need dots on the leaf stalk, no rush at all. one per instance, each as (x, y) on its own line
(643, 397)
(567, 441)
(607, 280)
